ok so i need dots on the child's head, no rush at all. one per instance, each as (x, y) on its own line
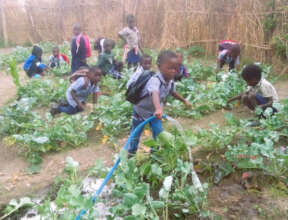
(131, 21)
(109, 45)
(77, 29)
(94, 74)
(234, 51)
(146, 62)
(179, 56)
(168, 64)
(37, 51)
(252, 74)
(55, 51)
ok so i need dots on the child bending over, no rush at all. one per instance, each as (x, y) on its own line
(84, 82)
(106, 61)
(155, 92)
(131, 37)
(145, 65)
(182, 71)
(260, 93)
(56, 59)
(33, 65)
(228, 53)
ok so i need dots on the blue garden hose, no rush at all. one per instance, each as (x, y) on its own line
(109, 175)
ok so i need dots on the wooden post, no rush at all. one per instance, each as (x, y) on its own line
(4, 23)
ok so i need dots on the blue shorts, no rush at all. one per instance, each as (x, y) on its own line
(260, 99)
(132, 57)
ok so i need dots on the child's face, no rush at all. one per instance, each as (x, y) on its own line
(146, 64)
(76, 31)
(132, 24)
(180, 58)
(252, 82)
(169, 68)
(39, 55)
(108, 48)
(96, 76)
(55, 52)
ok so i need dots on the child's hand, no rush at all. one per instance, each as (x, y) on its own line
(187, 104)
(158, 113)
(81, 106)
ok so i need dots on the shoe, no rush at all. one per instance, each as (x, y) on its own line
(54, 109)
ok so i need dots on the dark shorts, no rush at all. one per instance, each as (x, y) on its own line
(132, 57)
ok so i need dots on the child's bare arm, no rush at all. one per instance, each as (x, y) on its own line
(95, 97)
(181, 98)
(156, 102)
(234, 99)
(79, 104)
(122, 37)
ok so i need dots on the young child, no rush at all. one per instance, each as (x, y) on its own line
(145, 65)
(56, 59)
(229, 53)
(157, 89)
(131, 37)
(99, 45)
(106, 61)
(33, 65)
(84, 82)
(260, 93)
(78, 49)
(182, 71)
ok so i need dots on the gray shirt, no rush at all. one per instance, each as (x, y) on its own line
(145, 107)
(81, 92)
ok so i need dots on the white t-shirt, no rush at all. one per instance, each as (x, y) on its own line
(265, 89)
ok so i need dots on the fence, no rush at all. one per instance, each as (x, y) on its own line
(162, 23)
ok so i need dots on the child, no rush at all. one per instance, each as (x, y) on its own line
(57, 59)
(106, 61)
(260, 92)
(182, 71)
(33, 66)
(84, 82)
(229, 53)
(78, 49)
(131, 37)
(99, 45)
(145, 65)
(157, 89)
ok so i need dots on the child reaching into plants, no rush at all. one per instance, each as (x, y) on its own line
(260, 93)
(156, 90)
(84, 82)
(106, 61)
(131, 37)
(228, 53)
(33, 65)
(56, 59)
(145, 65)
(182, 70)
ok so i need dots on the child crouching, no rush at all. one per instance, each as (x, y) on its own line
(106, 61)
(260, 93)
(84, 82)
(155, 92)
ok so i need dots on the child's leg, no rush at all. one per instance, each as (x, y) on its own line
(156, 126)
(133, 147)
(68, 109)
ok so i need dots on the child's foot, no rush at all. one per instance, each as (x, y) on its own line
(54, 109)
(130, 155)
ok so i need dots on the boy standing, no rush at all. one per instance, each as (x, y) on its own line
(157, 89)
(78, 50)
(131, 37)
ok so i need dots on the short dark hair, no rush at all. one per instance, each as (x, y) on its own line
(144, 57)
(37, 50)
(252, 71)
(109, 42)
(235, 49)
(165, 55)
(94, 69)
(130, 18)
